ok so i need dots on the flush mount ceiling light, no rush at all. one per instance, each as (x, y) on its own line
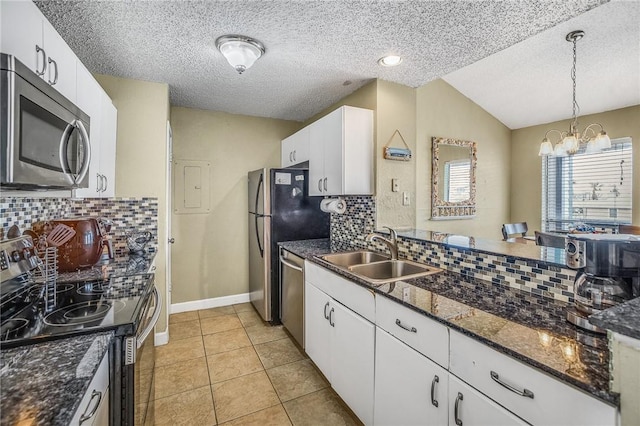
(241, 51)
(569, 142)
(390, 61)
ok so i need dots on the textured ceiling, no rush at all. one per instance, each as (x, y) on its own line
(530, 83)
(313, 47)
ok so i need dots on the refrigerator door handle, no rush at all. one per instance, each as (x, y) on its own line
(256, 217)
(258, 197)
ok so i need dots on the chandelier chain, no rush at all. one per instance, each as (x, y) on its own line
(576, 108)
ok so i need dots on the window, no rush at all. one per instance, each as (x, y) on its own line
(457, 180)
(594, 189)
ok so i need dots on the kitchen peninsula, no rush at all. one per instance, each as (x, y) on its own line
(508, 300)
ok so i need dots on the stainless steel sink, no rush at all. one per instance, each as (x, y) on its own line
(354, 258)
(392, 270)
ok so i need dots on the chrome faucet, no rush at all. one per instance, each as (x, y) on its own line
(391, 243)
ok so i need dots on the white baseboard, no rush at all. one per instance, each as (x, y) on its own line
(209, 303)
(161, 338)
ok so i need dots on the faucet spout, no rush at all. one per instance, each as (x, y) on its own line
(392, 243)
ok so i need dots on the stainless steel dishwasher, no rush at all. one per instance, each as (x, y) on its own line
(292, 294)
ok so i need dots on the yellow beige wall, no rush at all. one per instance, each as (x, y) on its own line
(210, 250)
(141, 156)
(443, 111)
(526, 178)
(394, 109)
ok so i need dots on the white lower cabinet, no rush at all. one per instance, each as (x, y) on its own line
(426, 373)
(341, 343)
(536, 397)
(410, 389)
(468, 407)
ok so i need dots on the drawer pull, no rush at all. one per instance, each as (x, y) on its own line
(401, 325)
(526, 392)
(92, 413)
(455, 409)
(435, 380)
(326, 316)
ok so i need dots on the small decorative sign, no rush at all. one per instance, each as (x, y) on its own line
(398, 154)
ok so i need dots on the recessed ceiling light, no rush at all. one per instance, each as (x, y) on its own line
(390, 61)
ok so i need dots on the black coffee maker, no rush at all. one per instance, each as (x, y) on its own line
(608, 273)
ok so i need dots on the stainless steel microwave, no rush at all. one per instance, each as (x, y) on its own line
(44, 136)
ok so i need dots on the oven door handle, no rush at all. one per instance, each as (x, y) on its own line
(154, 319)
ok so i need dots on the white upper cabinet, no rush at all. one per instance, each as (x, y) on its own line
(27, 35)
(21, 34)
(102, 135)
(341, 153)
(295, 148)
(61, 62)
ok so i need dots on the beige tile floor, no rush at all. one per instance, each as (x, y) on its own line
(226, 366)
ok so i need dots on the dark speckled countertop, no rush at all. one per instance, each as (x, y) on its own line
(522, 325)
(43, 384)
(623, 319)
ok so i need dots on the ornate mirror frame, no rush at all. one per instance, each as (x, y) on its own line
(441, 209)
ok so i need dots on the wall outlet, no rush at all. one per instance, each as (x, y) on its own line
(406, 200)
(395, 185)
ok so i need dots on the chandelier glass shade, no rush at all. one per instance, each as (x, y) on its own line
(568, 143)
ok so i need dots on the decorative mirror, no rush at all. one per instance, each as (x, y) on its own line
(453, 180)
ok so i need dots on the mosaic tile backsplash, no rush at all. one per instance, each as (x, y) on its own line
(348, 232)
(128, 215)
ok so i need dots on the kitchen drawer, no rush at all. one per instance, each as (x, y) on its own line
(553, 402)
(350, 294)
(95, 402)
(425, 335)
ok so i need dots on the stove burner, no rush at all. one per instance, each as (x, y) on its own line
(60, 288)
(12, 328)
(98, 288)
(77, 314)
(86, 311)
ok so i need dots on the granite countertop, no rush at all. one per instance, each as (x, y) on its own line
(44, 383)
(623, 319)
(525, 326)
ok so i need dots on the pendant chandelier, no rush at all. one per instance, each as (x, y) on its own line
(569, 142)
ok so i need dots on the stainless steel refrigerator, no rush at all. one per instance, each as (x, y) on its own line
(279, 210)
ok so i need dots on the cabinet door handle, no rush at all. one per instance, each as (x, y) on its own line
(435, 380)
(525, 392)
(106, 183)
(291, 156)
(55, 75)
(333, 324)
(401, 325)
(456, 415)
(86, 416)
(98, 182)
(320, 185)
(326, 316)
(294, 155)
(44, 60)
(325, 184)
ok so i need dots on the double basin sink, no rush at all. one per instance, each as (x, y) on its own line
(377, 268)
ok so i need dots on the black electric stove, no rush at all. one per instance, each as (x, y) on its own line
(34, 312)
(36, 308)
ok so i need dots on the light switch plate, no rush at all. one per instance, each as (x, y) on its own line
(406, 201)
(395, 185)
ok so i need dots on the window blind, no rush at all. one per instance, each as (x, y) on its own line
(458, 180)
(594, 189)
